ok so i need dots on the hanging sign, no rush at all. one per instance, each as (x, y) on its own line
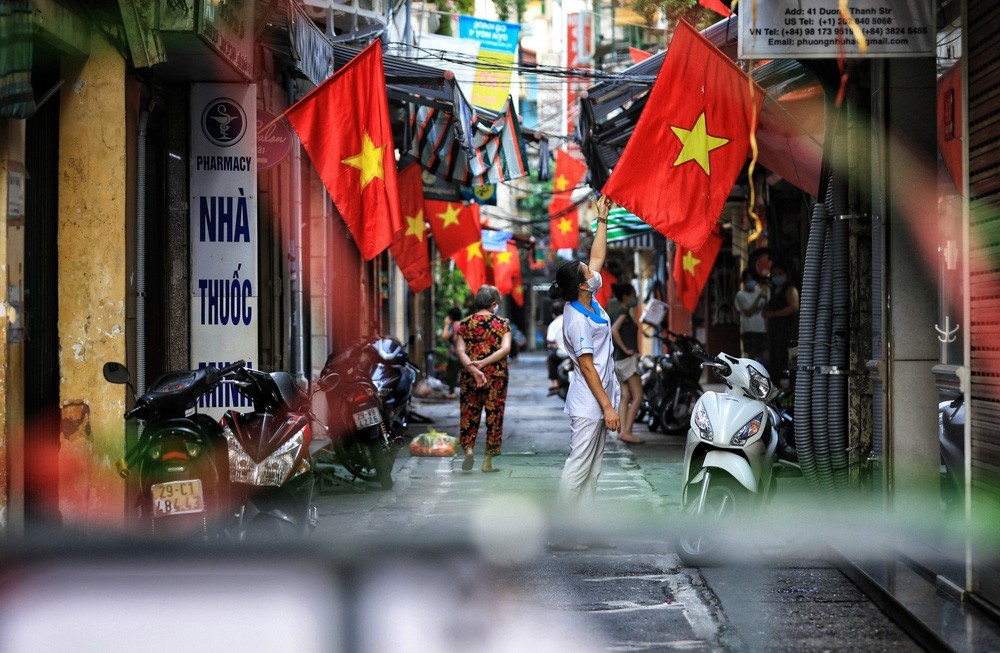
(223, 232)
(814, 29)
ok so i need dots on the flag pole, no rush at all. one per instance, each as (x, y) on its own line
(277, 118)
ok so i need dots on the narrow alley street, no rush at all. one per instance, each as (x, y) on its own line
(470, 548)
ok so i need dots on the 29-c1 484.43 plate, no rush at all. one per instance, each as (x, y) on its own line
(177, 498)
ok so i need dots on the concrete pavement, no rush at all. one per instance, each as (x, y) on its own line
(635, 597)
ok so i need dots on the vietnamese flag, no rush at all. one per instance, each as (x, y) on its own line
(517, 292)
(568, 175)
(692, 268)
(344, 127)
(690, 142)
(506, 268)
(564, 231)
(717, 6)
(409, 246)
(471, 262)
(455, 225)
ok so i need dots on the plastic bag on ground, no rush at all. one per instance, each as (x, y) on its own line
(434, 443)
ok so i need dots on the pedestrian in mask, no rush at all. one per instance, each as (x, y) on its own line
(782, 315)
(484, 342)
(749, 302)
(593, 395)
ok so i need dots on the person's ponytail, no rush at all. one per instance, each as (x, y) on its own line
(569, 276)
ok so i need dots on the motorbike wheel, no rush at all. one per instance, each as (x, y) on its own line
(699, 545)
(563, 391)
(357, 459)
(676, 415)
(383, 457)
(647, 414)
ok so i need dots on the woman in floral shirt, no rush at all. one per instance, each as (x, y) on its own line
(483, 345)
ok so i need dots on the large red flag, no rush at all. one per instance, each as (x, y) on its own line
(690, 142)
(692, 268)
(470, 261)
(517, 292)
(344, 127)
(409, 246)
(455, 225)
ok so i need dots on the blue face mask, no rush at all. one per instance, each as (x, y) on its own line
(634, 302)
(779, 280)
(751, 284)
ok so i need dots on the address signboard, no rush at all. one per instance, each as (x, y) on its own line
(814, 29)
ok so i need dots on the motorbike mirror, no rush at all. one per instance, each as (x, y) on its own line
(328, 382)
(116, 373)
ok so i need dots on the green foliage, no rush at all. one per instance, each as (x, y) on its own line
(450, 7)
(506, 7)
(689, 10)
(450, 290)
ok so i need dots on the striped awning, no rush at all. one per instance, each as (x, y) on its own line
(627, 231)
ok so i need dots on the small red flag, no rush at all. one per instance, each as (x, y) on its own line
(604, 293)
(454, 225)
(409, 246)
(471, 262)
(692, 268)
(717, 7)
(344, 127)
(690, 142)
(568, 175)
(564, 231)
(638, 55)
(506, 268)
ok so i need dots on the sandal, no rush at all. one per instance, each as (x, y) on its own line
(469, 461)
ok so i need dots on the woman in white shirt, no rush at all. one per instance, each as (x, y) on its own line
(594, 392)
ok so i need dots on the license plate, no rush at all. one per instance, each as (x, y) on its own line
(366, 418)
(177, 498)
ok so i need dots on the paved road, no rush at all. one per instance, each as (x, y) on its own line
(457, 559)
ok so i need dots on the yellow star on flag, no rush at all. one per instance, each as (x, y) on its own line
(565, 225)
(697, 144)
(561, 182)
(690, 262)
(368, 161)
(415, 226)
(473, 251)
(503, 257)
(450, 216)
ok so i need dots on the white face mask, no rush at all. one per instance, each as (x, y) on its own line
(595, 282)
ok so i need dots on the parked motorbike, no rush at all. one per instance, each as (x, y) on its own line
(951, 430)
(670, 384)
(180, 457)
(270, 458)
(564, 374)
(729, 456)
(369, 407)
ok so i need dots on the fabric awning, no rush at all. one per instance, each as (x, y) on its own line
(627, 231)
(790, 133)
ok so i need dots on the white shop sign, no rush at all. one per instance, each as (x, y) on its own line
(812, 29)
(223, 231)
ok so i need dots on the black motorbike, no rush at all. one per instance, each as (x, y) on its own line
(564, 373)
(368, 391)
(670, 383)
(270, 458)
(951, 426)
(180, 457)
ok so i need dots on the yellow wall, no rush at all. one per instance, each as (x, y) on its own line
(92, 246)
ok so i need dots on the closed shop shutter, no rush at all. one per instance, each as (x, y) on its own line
(984, 222)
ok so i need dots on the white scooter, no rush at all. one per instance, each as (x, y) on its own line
(729, 457)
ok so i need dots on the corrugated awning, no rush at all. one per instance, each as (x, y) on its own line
(627, 231)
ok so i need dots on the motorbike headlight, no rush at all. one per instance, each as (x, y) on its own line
(273, 470)
(748, 431)
(703, 423)
(760, 385)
